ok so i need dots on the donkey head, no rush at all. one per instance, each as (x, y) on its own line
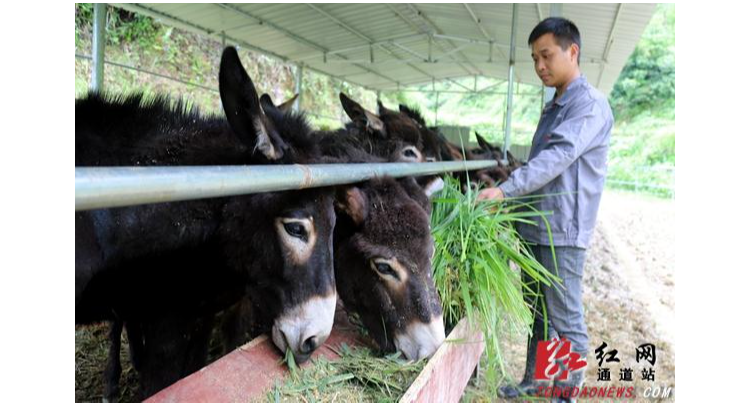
(392, 136)
(383, 270)
(283, 241)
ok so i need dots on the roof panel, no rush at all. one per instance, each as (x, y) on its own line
(302, 33)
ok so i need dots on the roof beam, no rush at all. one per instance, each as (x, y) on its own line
(298, 38)
(436, 30)
(364, 37)
(608, 46)
(365, 46)
(139, 8)
(430, 33)
(611, 37)
(461, 85)
(502, 80)
(410, 51)
(478, 23)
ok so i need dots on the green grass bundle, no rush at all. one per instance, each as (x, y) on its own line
(478, 263)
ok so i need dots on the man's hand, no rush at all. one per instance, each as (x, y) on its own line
(492, 193)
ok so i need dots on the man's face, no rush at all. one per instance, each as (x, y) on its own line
(553, 65)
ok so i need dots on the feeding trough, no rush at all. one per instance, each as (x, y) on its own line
(248, 373)
(445, 376)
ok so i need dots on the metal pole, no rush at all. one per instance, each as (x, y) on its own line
(437, 101)
(97, 68)
(107, 187)
(555, 10)
(511, 68)
(298, 88)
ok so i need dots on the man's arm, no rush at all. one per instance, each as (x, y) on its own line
(569, 140)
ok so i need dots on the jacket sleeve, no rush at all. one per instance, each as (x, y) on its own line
(569, 140)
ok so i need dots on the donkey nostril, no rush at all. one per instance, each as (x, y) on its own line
(309, 345)
(410, 153)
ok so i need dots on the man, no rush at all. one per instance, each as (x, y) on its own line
(567, 165)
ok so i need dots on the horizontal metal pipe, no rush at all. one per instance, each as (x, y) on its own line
(108, 187)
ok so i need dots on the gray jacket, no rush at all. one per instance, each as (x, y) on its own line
(568, 160)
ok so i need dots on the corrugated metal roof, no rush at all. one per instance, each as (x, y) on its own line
(389, 46)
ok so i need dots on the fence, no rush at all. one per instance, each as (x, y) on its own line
(654, 180)
(107, 187)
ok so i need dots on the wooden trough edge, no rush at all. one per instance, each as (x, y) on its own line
(446, 375)
(249, 372)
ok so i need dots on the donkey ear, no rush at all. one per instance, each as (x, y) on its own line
(242, 107)
(353, 202)
(414, 114)
(266, 102)
(268, 105)
(287, 105)
(408, 111)
(360, 116)
(512, 161)
(421, 189)
(451, 152)
(383, 109)
(482, 142)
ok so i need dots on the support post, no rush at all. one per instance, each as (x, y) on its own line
(298, 88)
(97, 45)
(511, 68)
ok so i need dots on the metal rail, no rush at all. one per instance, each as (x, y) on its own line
(108, 187)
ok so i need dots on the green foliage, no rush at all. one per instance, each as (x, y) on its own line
(129, 27)
(121, 26)
(647, 82)
(478, 263)
(84, 16)
(642, 152)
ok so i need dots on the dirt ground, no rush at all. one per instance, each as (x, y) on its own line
(629, 283)
(92, 347)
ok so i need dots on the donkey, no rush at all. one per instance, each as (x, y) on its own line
(383, 250)
(443, 149)
(382, 260)
(168, 268)
(386, 135)
(487, 150)
(497, 174)
(449, 151)
(436, 147)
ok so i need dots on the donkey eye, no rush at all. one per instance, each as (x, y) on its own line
(296, 229)
(385, 269)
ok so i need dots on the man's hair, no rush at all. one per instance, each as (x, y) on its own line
(565, 33)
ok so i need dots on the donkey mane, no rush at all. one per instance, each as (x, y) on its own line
(413, 113)
(150, 130)
(158, 130)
